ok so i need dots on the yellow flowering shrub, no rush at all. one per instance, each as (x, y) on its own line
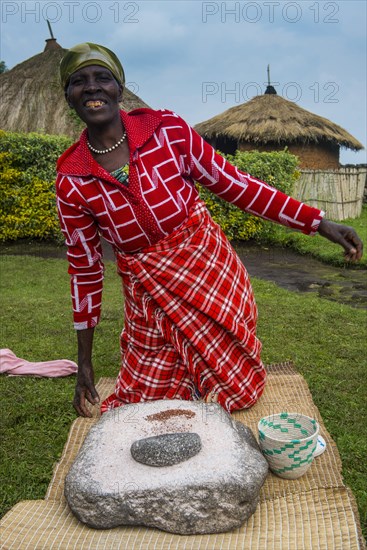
(27, 194)
(27, 205)
(34, 154)
(277, 169)
(27, 191)
(237, 225)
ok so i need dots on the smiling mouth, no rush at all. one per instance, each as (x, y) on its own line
(94, 104)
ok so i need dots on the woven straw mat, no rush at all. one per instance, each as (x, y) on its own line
(315, 511)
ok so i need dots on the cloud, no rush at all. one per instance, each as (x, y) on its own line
(171, 49)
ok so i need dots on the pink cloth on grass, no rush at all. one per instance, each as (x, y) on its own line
(13, 365)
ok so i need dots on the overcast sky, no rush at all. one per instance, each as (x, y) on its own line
(201, 58)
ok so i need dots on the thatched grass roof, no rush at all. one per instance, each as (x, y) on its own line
(272, 119)
(32, 99)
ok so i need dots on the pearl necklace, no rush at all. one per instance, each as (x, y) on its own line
(104, 151)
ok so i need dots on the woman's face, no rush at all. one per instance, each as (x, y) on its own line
(94, 93)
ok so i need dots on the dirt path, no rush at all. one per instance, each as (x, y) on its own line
(304, 274)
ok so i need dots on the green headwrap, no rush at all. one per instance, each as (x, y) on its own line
(86, 54)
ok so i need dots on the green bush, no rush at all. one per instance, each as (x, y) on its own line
(34, 154)
(277, 169)
(27, 192)
(27, 205)
(27, 175)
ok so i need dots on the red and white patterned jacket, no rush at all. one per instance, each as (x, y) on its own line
(166, 157)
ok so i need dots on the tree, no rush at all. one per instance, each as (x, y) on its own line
(3, 67)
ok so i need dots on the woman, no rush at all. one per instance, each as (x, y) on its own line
(190, 315)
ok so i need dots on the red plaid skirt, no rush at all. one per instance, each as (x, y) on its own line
(190, 321)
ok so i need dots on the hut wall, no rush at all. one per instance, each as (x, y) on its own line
(313, 156)
(338, 192)
(317, 156)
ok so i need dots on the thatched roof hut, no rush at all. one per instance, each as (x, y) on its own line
(270, 123)
(33, 101)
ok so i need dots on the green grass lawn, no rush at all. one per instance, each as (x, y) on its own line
(326, 341)
(317, 246)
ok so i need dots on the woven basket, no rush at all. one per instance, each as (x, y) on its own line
(288, 442)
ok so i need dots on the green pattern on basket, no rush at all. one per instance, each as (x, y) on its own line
(292, 421)
(291, 449)
(287, 447)
(298, 464)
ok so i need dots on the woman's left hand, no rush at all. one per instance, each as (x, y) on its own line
(345, 236)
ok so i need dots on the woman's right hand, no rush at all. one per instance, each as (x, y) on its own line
(85, 390)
